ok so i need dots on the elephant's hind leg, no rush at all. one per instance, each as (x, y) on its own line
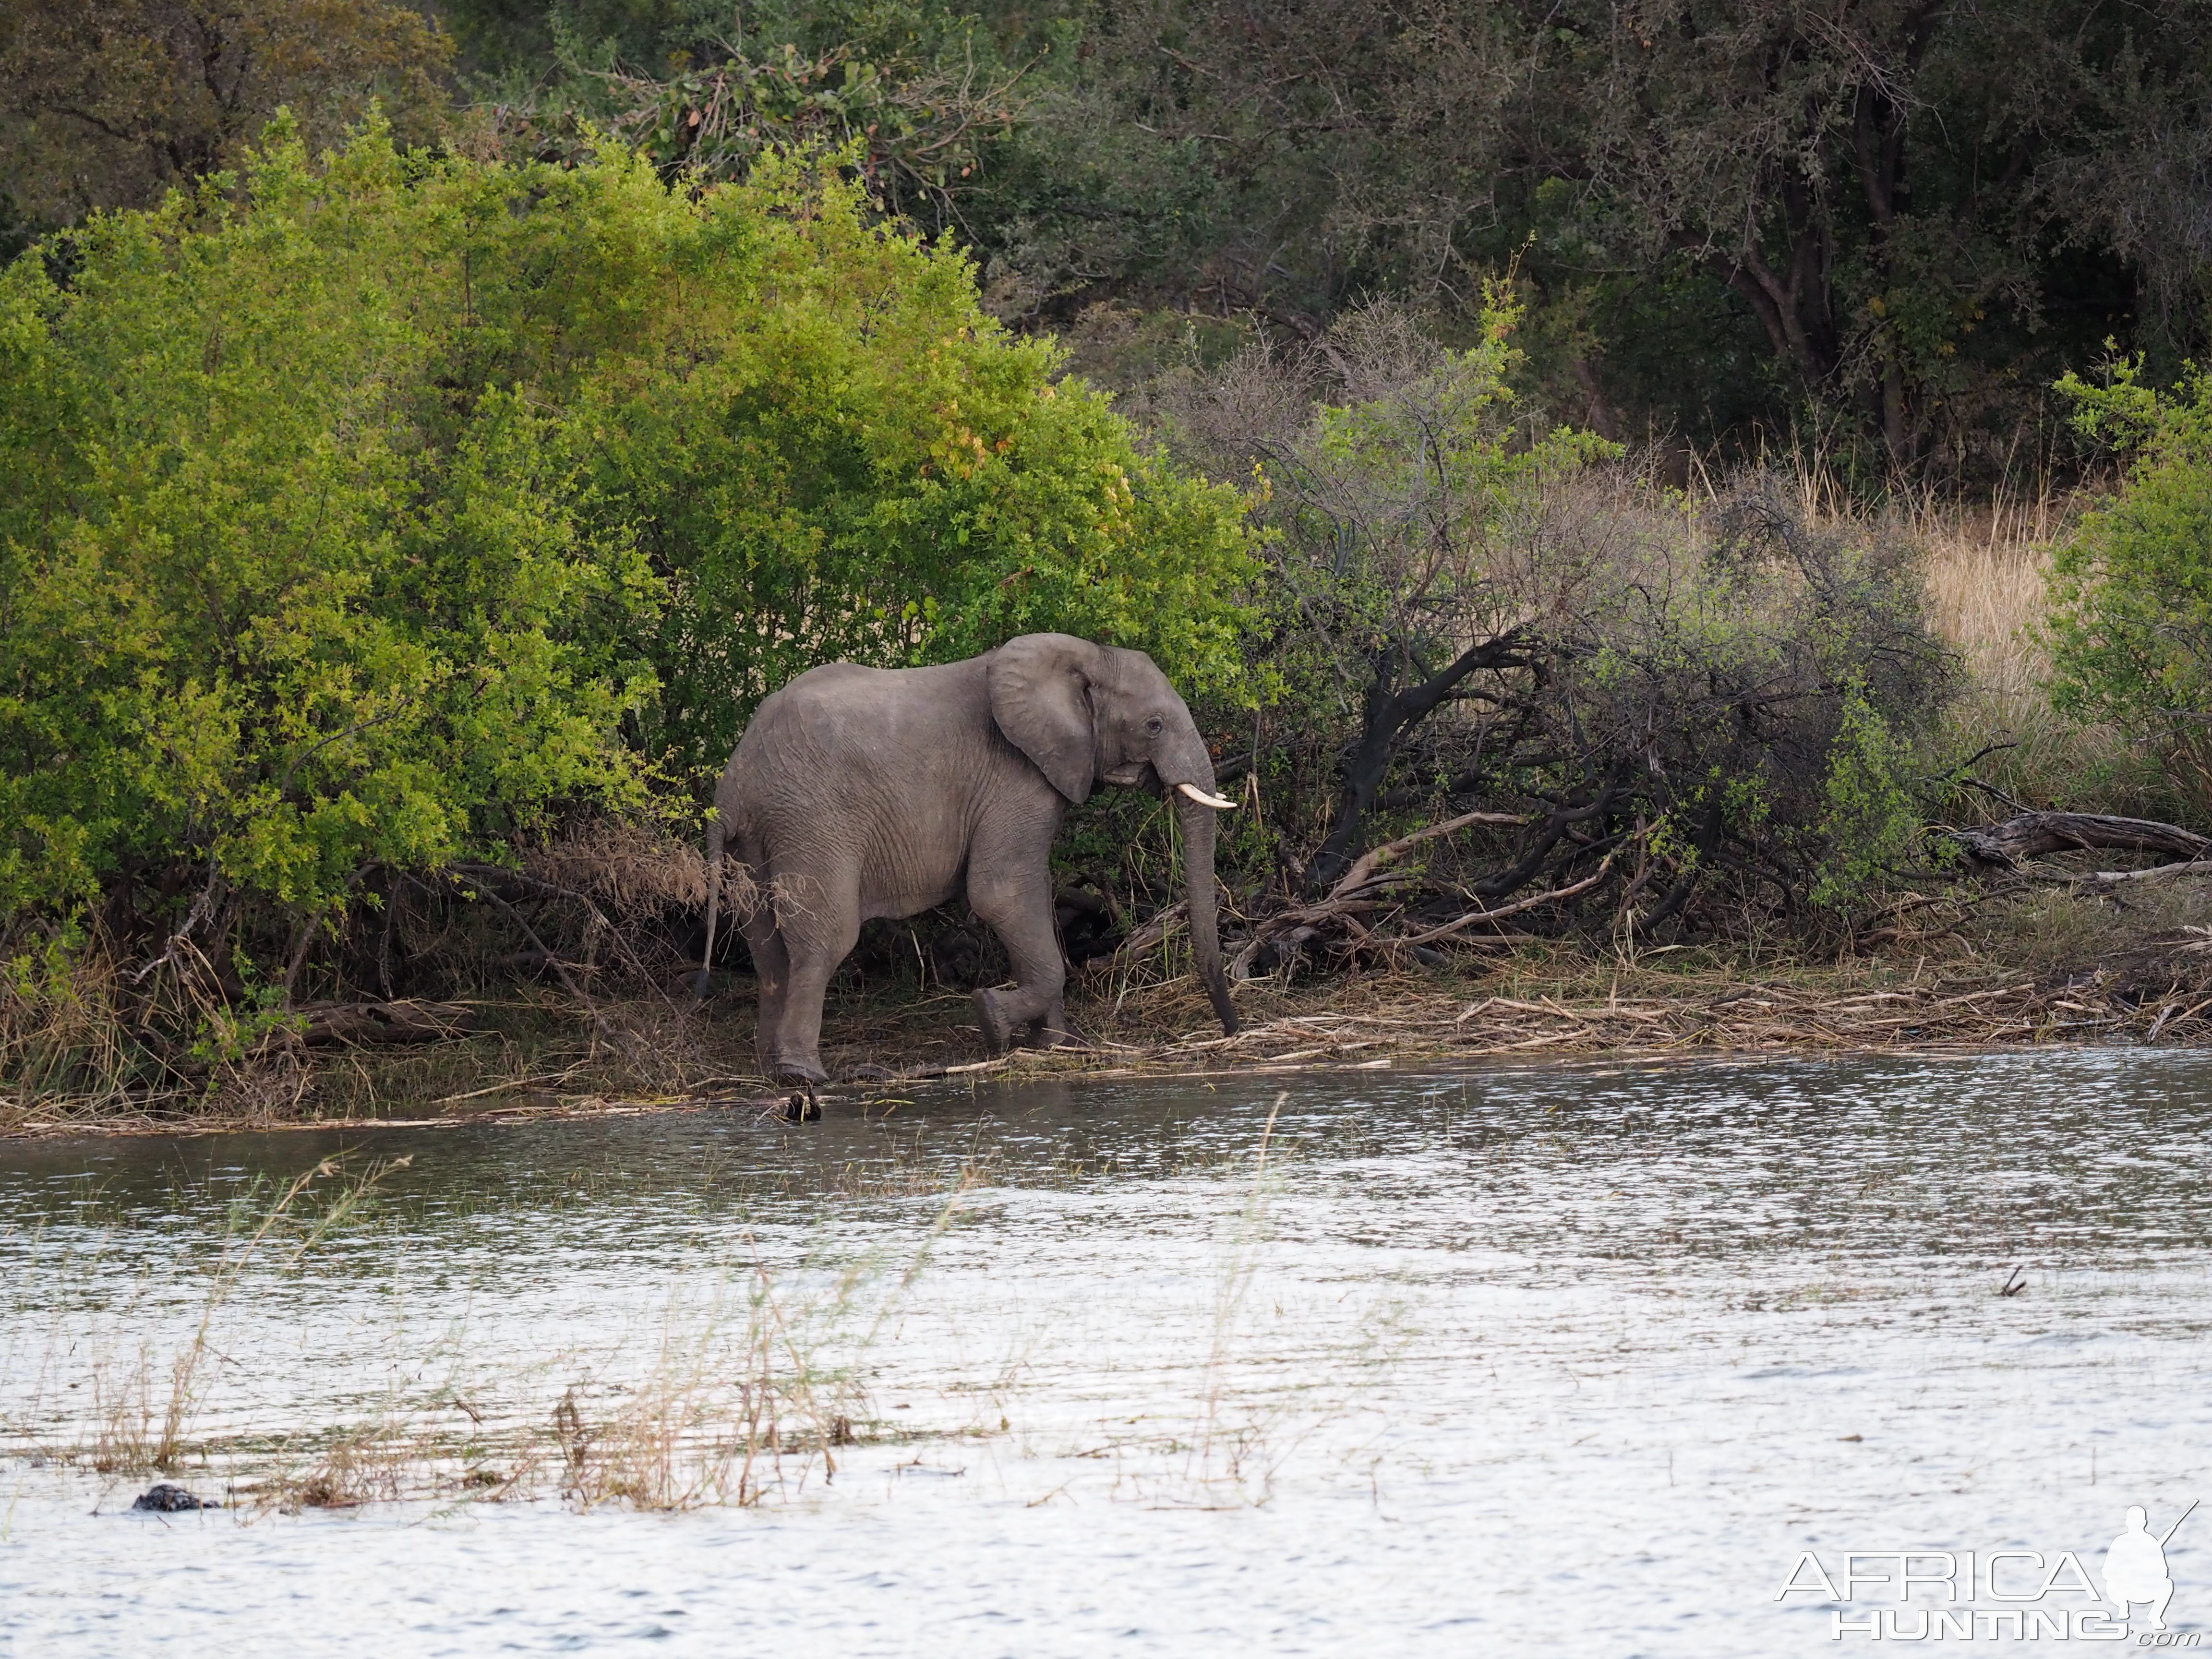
(817, 925)
(1014, 900)
(772, 969)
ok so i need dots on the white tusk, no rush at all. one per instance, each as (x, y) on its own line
(1205, 799)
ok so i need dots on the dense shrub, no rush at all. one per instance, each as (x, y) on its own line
(1469, 613)
(282, 598)
(831, 452)
(361, 513)
(2132, 590)
(1755, 684)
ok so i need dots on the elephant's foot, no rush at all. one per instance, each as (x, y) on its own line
(1003, 1028)
(997, 1030)
(794, 1068)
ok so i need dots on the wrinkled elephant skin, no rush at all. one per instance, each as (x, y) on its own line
(858, 793)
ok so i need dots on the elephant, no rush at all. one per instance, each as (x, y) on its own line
(857, 792)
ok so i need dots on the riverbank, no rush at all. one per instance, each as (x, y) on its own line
(2050, 968)
(2043, 955)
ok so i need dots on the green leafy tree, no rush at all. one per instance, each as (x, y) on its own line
(278, 606)
(924, 92)
(830, 450)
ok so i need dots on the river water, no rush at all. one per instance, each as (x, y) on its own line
(1568, 1359)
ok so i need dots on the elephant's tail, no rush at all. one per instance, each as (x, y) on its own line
(717, 839)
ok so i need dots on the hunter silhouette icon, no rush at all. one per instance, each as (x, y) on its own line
(2135, 1566)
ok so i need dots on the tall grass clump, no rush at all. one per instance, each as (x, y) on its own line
(1990, 572)
(143, 1409)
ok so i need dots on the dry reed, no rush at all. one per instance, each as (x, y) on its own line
(142, 1413)
(1986, 581)
(742, 1400)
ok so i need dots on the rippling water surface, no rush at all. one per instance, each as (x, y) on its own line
(1516, 1361)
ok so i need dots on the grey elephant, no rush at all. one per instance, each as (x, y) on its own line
(857, 792)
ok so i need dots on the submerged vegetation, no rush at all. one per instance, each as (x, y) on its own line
(750, 1390)
(407, 500)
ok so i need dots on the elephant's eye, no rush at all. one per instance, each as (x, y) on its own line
(1152, 726)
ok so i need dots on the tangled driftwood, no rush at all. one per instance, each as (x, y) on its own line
(1745, 1017)
(1367, 889)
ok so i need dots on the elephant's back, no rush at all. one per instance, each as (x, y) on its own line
(842, 736)
(843, 711)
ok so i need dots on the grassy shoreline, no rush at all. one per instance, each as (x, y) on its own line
(539, 1055)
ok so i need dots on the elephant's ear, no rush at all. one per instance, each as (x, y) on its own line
(1040, 699)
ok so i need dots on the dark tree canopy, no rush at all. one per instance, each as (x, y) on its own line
(1908, 215)
(109, 103)
(1881, 226)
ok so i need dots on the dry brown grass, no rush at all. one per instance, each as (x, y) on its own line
(1988, 575)
(358, 1467)
(752, 1390)
(733, 1410)
(630, 866)
(75, 1040)
(1986, 578)
(143, 1405)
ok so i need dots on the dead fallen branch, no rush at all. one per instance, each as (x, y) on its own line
(1364, 891)
(1145, 937)
(2033, 835)
(1368, 862)
(385, 1021)
(2192, 868)
(1558, 894)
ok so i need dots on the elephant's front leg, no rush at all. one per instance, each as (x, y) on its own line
(1010, 887)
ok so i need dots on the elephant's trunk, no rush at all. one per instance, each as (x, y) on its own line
(1204, 935)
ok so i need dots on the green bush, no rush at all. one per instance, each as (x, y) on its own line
(1870, 820)
(281, 599)
(832, 452)
(2131, 613)
(367, 510)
